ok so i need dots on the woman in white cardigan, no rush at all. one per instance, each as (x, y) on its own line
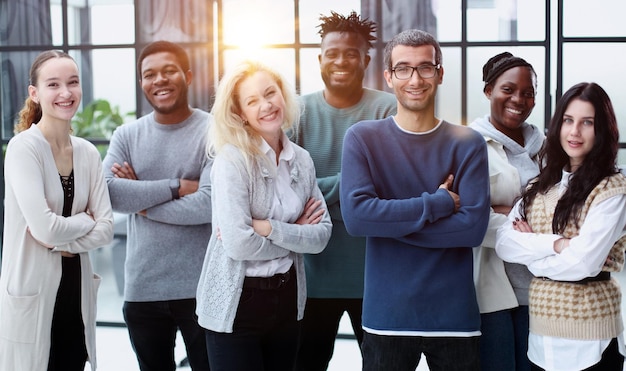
(57, 209)
(513, 145)
(267, 212)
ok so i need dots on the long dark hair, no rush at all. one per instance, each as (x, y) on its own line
(597, 165)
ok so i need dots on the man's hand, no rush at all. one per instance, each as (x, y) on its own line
(447, 184)
(187, 187)
(124, 171)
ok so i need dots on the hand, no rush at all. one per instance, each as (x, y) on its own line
(187, 187)
(447, 184)
(560, 245)
(521, 225)
(123, 171)
(502, 209)
(312, 213)
(261, 227)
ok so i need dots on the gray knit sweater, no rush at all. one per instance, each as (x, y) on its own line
(165, 249)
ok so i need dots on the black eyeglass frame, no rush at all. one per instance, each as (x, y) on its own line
(436, 68)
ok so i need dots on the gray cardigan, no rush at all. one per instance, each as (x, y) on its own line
(238, 197)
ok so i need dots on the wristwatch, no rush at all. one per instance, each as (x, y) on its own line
(174, 187)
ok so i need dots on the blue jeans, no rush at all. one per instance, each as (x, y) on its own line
(402, 353)
(504, 340)
(265, 332)
(319, 330)
(152, 328)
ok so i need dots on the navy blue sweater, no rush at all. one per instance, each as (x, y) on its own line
(418, 273)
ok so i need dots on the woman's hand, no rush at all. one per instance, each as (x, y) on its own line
(521, 225)
(312, 213)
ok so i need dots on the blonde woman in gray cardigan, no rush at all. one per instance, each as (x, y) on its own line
(267, 212)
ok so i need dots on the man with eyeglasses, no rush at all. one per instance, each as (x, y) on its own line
(335, 276)
(417, 187)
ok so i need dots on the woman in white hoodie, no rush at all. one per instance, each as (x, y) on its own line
(513, 144)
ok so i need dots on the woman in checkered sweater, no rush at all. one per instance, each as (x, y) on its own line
(567, 228)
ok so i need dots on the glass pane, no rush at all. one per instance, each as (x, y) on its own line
(116, 65)
(89, 22)
(621, 159)
(580, 63)
(310, 78)
(13, 86)
(310, 12)
(24, 22)
(108, 263)
(449, 92)
(282, 60)
(478, 104)
(506, 20)
(582, 18)
(448, 14)
(252, 24)
(176, 21)
(100, 23)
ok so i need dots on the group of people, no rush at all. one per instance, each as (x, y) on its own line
(252, 229)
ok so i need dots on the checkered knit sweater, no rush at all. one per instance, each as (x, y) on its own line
(577, 311)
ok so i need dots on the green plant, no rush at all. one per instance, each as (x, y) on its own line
(98, 119)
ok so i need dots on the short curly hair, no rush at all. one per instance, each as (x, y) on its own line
(352, 23)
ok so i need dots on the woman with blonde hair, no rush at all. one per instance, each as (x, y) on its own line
(57, 209)
(267, 212)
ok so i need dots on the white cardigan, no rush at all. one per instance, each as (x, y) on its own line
(31, 273)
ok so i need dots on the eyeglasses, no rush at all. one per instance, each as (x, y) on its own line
(425, 71)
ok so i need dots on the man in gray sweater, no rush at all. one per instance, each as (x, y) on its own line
(158, 173)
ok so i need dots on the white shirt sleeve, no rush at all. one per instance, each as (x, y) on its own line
(586, 254)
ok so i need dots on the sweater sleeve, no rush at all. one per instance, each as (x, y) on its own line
(304, 238)
(25, 168)
(191, 209)
(232, 213)
(427, 220)
(98, 206)
(586, 254)
(467, 226)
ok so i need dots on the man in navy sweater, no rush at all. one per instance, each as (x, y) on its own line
(417, 187)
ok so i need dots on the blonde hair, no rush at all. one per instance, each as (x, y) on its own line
(228, 127)
(31, 111)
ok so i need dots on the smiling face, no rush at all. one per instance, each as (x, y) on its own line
(262, 105)
(416, 94)
(343, 61)
(58, 89)
(165, 85)
(578, 132)
(512, 99)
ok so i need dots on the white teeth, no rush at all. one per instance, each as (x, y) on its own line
(340, 73)
(162, 92)
(67, 104)
(517, 112)
(270, 116)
